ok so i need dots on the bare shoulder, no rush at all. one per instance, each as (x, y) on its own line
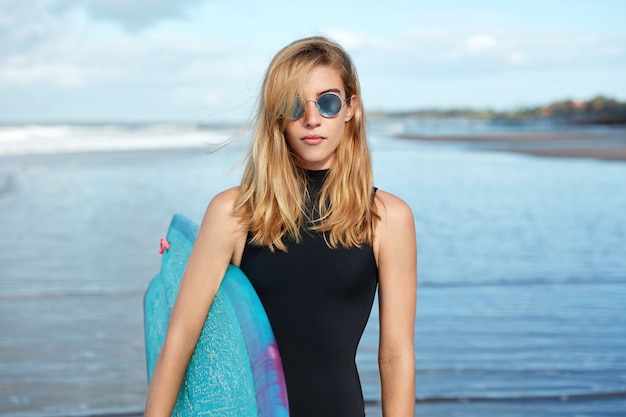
(222, 226)
(219, 213)
(225, 200)
(395, 231)
(221, 206)
(392, 209)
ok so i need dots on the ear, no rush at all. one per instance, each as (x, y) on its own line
(351, 108)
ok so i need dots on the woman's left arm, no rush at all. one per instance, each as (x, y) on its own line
(397, 294)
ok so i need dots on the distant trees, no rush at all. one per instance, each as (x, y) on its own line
(599, 110)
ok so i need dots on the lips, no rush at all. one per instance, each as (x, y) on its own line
(313, 139)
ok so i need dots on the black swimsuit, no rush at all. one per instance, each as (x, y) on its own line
(318, 301)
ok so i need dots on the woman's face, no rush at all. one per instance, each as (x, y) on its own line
(313, 138)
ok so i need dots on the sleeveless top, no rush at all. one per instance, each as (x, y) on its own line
(318, 300)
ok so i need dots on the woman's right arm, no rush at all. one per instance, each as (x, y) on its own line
(212, 252)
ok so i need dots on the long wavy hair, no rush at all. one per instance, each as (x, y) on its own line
(273, 192)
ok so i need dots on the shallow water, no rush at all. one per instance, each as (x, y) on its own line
(522, 296)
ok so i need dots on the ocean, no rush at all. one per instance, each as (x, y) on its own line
(522, 265)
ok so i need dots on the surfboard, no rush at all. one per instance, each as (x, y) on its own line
(235, 369)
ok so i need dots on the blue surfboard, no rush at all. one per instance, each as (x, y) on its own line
(235, 369)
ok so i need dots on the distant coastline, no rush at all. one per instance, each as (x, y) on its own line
(599, 110)
(556, 145)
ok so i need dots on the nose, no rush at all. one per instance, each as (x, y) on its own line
(312, 116)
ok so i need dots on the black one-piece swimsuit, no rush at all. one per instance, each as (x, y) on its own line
(318, 301)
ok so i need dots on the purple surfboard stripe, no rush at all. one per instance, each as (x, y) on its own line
(267, 368)
(263, 354)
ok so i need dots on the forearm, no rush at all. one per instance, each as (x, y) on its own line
(165, 385)
(397, 374)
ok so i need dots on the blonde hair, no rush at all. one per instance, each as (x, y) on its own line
(273, 192)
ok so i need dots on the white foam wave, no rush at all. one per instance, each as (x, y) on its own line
(40, 139)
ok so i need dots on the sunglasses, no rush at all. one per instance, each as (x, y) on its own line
(328, 104)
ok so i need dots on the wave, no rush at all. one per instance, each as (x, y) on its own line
(524, 282)
(66, 138)
(64, 293)
(530, 398)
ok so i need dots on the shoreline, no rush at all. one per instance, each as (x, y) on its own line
(373, 408)
(559, 145)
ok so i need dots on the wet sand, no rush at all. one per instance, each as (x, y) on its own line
(605, 146)
(607, 153)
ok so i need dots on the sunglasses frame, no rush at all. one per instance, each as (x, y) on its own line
(304, 103)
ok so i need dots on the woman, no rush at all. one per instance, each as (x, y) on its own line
(315, 238)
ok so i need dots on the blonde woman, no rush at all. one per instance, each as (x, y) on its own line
(316, 240)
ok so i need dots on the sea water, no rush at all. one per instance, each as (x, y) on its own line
(522, 266)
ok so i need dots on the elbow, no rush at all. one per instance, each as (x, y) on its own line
(402, 359)
(399, 360)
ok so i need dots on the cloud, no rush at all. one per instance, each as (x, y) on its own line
(56, 52)
(53, 57)
(457, 53)
(516, 57)
(493, 66)
(65, 75)
(481, 42)
(352, 41)
(26, 25)
(49, 42)
(134, 15)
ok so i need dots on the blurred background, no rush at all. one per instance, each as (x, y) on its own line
(503, 126)
(197, 60)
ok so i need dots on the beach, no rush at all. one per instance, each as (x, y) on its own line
(606, 146)
(522, 285)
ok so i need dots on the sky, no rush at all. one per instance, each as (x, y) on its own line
(203, 60)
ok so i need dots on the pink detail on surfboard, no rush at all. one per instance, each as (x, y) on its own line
(163, 245)
(274, 356)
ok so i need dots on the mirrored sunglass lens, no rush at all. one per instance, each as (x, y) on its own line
(297, 111)
(329, 104)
